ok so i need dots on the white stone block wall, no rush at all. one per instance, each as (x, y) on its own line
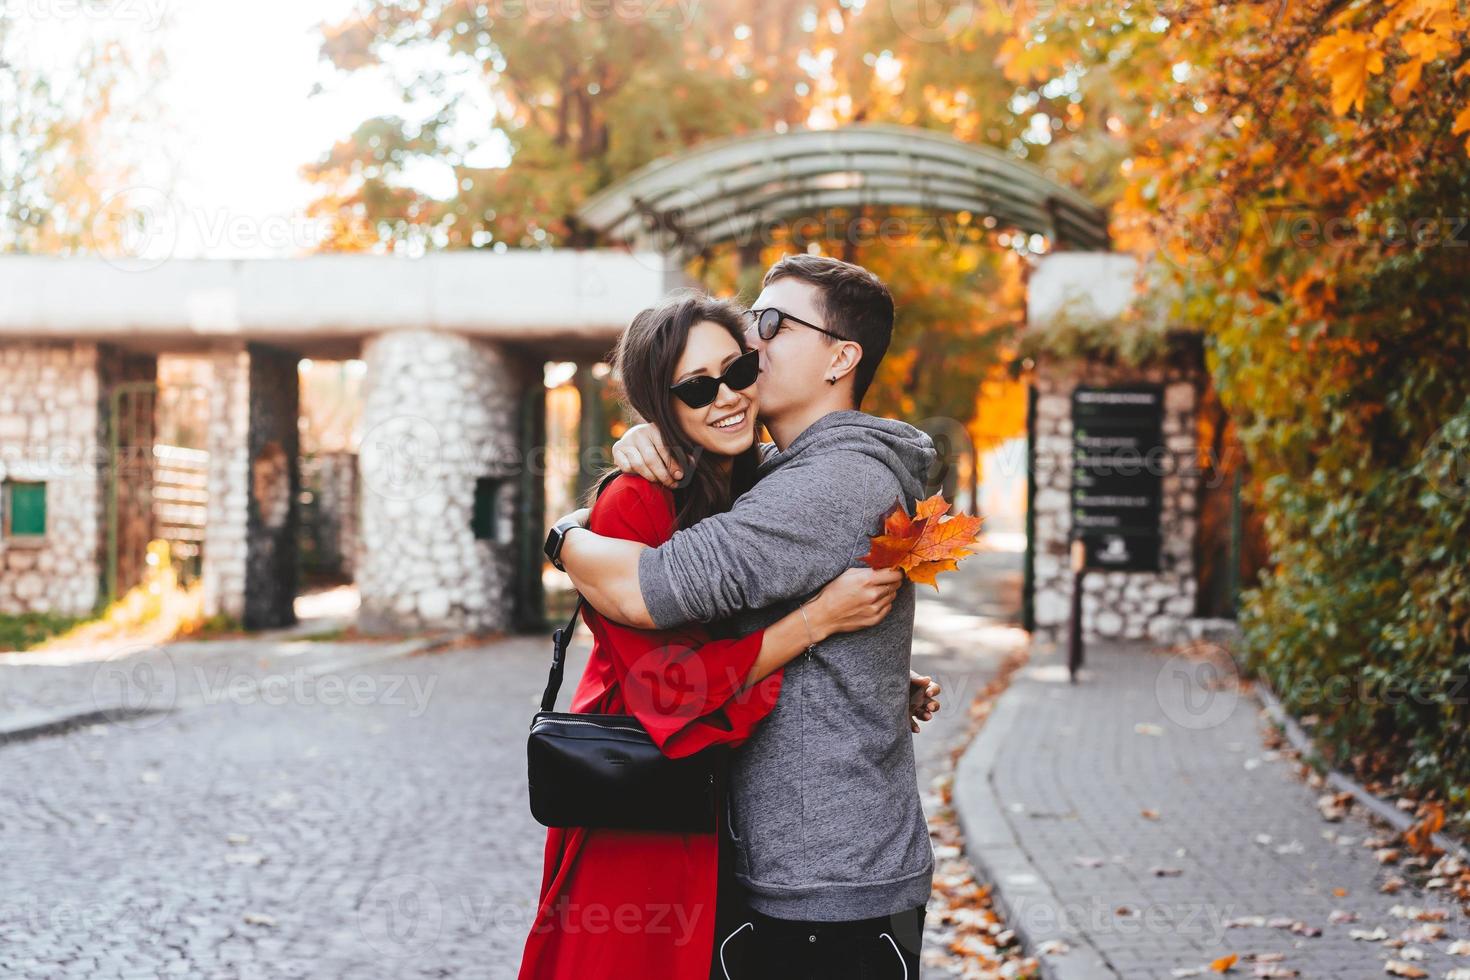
(49, 424)
(440, 411)
(1115, 605)
(225, 542)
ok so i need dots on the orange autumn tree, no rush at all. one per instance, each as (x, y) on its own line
(523, 117)
(1302, 171)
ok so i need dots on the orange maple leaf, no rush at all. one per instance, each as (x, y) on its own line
(1420, 837)
(927, 572)
(1349, 59)
(896, 547)
(923, 545)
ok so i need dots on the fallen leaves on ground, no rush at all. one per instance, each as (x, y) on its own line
(1424, 932)
(1295, 926)
(1268, 966)
(972, 938)
(1398, 968)
(1420, 837)
(1269, 971)
(965, 935)
(1334, 806)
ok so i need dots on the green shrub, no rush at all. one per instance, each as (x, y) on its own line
(24, 630)
(1364, 621)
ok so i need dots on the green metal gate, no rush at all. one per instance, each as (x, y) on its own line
(132, 423)
(152, 491)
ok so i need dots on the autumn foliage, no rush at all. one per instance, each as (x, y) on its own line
(1301, 172)
(923, 545)
(582, 101)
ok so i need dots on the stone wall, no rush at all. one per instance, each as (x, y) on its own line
(250, 560)
(225, 543)
(49, 425)
(441, 411)
(1131, 605)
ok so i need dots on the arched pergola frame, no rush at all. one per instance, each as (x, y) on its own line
(731, 190)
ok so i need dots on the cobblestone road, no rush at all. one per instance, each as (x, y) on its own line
(378, 829)
(146, 679)
(1167, 834)
(363, 824)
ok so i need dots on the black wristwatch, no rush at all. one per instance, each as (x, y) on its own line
(556, 537)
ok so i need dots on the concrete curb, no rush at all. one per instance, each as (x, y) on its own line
(1023, 895)
(1339, 781)
(39, 724)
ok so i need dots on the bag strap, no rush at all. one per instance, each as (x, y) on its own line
(562, 638)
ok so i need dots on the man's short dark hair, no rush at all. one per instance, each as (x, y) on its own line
(854, 303)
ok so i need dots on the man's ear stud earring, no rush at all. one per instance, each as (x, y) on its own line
(831, 381)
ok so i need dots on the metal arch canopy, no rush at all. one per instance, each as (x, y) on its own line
(725, 190)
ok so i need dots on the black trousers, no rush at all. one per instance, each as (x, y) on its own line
(883, 948)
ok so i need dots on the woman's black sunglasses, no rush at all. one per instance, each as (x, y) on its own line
(768, 321)
(699, 392)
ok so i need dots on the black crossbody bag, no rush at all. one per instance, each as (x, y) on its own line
(598, 770)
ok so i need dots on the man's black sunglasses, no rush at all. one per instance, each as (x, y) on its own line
(700, 391)
(768, 321)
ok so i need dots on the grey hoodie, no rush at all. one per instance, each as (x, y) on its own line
(824, 802)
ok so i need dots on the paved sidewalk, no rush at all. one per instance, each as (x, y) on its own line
(1136, 824)
(962, 635)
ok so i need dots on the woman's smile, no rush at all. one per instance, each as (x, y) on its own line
(732, 422)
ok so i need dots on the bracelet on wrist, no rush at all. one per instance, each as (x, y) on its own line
(810, 636)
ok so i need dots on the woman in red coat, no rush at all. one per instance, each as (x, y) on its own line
(628, 905)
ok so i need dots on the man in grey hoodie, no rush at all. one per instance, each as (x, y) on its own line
(829, 837)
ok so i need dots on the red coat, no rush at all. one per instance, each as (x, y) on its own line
(622, 904)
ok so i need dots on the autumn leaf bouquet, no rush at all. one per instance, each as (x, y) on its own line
(923, 545)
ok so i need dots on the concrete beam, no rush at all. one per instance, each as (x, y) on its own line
(325, 305)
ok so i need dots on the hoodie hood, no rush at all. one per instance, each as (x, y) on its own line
(904, 450)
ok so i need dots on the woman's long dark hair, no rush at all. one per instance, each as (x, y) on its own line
(645, 358)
